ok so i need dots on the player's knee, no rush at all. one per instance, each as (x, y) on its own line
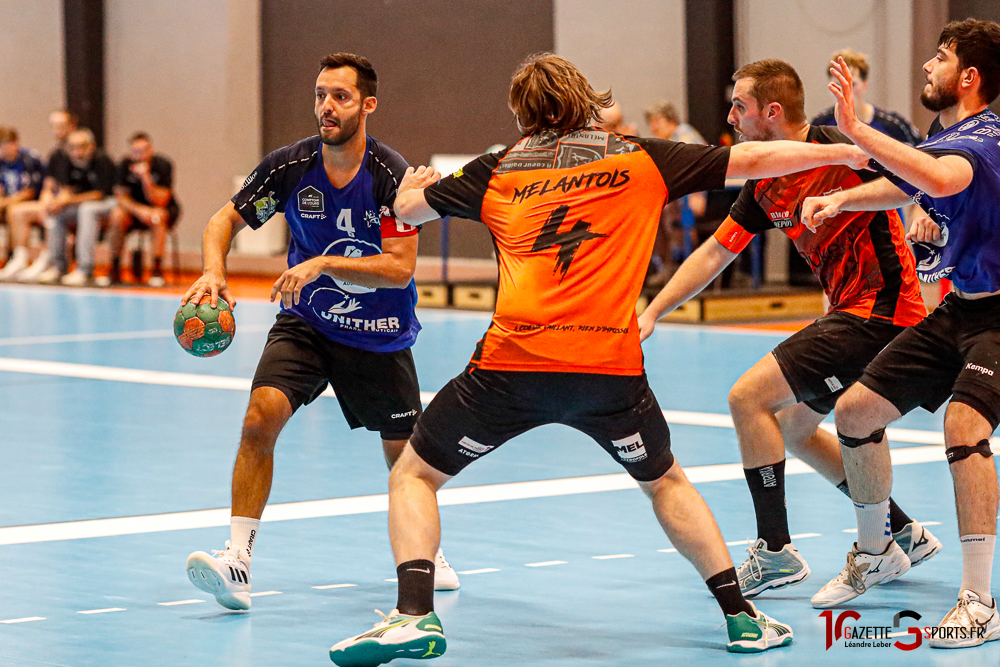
(853, 443)
(847, 412)
(742, 398)
(260, 428)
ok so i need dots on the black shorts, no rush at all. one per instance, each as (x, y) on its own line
(954, 352)
(828, 356)
(480, 410)
(377, 390)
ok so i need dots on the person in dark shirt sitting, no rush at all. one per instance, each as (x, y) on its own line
(145, 197)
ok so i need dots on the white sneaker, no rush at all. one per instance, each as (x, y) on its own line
(76, 278)
(969, 623)
(445, 578)
(861, 573)
(39, 266)
(917, 543)
(18, 262)
(225, 575)
(156, 280)
(49, 276)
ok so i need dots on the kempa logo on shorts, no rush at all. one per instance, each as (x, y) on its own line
(630, 449)
(472, 448)
(979, 369)
(400, 415)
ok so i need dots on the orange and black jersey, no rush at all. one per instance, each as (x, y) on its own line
(573, 217)
(860, 257)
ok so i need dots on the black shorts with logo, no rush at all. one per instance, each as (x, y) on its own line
(377, 390)
(480, 410)
(954, 352)
(828, 356)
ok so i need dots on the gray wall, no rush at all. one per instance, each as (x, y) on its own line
(187, 71)
(634, 47)
(807, 32)
(31, 74)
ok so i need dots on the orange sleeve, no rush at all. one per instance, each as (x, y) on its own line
(732, 236)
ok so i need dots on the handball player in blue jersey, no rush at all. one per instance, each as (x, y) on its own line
(347, 302)
(954, 176)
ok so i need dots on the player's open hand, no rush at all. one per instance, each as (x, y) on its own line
(420, 177)
(289, 285)
(210, 284)
(923, 230)
(647, 324)
(815, 210)
(842, 88)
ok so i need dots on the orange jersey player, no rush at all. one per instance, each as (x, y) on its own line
(868, 273)
(573, 211)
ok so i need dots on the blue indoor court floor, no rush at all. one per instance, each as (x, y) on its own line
(117, 452)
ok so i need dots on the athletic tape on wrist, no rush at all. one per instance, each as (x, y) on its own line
(848, 441)
(956, 454)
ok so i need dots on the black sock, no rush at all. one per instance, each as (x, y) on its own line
(116, 266)
(897, 517)
(726, 590)
(767, 488)
(416, 587)
(157, 266)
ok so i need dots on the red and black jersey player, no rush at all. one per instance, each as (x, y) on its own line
(573, 211)
(868, 274)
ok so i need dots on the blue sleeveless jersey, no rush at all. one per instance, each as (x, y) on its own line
(969, 250)
(349, 222)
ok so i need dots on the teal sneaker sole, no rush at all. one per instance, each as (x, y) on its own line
(369, 653)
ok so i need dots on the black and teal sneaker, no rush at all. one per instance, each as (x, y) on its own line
(753, 635)
(395, 636)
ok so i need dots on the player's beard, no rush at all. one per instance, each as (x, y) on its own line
(348, 128)
(941, 96)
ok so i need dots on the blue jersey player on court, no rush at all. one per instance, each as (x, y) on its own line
(954, 177)
(347, 302)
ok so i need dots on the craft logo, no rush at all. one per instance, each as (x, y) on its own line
(882, 636)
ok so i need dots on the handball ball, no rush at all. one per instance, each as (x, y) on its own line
(202, 330)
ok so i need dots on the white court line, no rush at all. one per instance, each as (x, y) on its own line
(110, 335)
(102, 611)
(310, 509)
(480, 571)
(263, 593)
(667, 551)
(546, 563)
(613, 556)
(26, 619)
(328, 586)
(178, 602)
(802, 536)
(167, 378)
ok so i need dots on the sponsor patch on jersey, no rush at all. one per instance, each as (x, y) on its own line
(310, 200)
(265, 207)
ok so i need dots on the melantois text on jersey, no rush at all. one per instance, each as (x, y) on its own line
(349, 222)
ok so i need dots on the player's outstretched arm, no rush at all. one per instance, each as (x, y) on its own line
(693, 275)
(766, 159)
(215, 245)
(877, 195)
(411, 206)
(937, 176)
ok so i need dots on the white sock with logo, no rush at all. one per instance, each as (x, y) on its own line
(243, 535)
(873, 526)
(977, 565)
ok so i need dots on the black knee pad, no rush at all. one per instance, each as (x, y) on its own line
(956, 454)
(847, 441)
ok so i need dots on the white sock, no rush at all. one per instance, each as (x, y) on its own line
(977, 565)
(20, 253)
(243, 535)
(873, 526)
